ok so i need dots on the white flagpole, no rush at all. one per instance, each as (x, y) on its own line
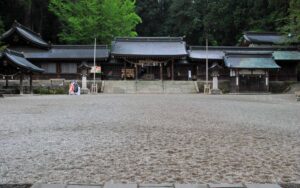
(206, 60)
(95, 61)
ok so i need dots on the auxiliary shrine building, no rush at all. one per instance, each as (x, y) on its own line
(259, 60)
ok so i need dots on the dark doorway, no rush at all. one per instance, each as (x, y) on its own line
(252, 83)
(149, 73)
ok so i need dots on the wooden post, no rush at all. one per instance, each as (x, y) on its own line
(125, 76)
(30, 84)
(173, 69)
(6, 81)
(161, 71)
(136, 72)
(21, 84)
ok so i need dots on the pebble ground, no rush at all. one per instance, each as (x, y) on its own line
(150, 139)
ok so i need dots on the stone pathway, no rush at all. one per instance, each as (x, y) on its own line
(110, 185)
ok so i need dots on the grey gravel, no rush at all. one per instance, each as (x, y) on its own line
(150, 139)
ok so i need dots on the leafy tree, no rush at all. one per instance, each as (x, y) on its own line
(1, 27)
(293, 20)
(154, 14)
(83, 20)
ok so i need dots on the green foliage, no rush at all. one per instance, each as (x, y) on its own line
(293, 21)
(223, 21)
(102, 19)
(1, 27)
(50, 91)
(154, 14)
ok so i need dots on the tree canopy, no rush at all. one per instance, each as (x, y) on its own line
(102, 19)
(293, 21)
(1, 26)
(223, 22)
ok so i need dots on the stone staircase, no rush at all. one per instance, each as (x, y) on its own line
(119, 87)
(149, 87)
(183, 87)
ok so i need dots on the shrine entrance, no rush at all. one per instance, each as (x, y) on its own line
(148, 73)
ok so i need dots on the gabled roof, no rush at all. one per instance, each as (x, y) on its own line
(265, 38)
(67, 52)
(280, 53)
(149, 47)
(250, 60)
(26, 34)
(18, 60)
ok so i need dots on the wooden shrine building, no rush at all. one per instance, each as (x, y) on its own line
(151, 58)
(14, 65)
(260, 59)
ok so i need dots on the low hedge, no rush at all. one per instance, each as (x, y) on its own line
(50, 90)
(280, 86)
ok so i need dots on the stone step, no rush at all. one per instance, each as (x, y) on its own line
(149, 87)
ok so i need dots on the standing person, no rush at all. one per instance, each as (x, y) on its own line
(71, 88)
(76, 88)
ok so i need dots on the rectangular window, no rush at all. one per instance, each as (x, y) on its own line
(69, 68)
(49, 67)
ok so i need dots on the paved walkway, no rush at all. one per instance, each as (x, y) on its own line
(150, 139)
(109, 185)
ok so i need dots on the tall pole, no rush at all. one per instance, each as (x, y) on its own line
(95, 61)
(206, 60)
(206, 47)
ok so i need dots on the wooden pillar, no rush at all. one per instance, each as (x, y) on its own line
(267, 81)
(161, 71)
(30, 84)
(125, 77)
(136, 72)
(173, 69)
(6, 81)
(237, 82)
(21, 84)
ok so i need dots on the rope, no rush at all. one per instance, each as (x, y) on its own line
(8, 75)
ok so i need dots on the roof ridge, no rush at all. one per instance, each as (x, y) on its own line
(149, 39)
(13, 52)
(263, 33)
(77, 46)
(248, 53)
(244, 48)
(17, 24)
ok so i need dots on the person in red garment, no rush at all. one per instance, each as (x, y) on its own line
(71, 88)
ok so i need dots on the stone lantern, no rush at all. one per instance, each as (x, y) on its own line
(84, 68)
(215, 68)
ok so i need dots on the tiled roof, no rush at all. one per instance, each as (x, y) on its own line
(149, 47)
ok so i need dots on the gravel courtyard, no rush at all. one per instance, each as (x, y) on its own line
(150, 139)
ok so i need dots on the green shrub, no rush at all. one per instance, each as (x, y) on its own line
(280, 86)
(50, 91)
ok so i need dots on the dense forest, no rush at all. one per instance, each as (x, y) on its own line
(222, 21)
